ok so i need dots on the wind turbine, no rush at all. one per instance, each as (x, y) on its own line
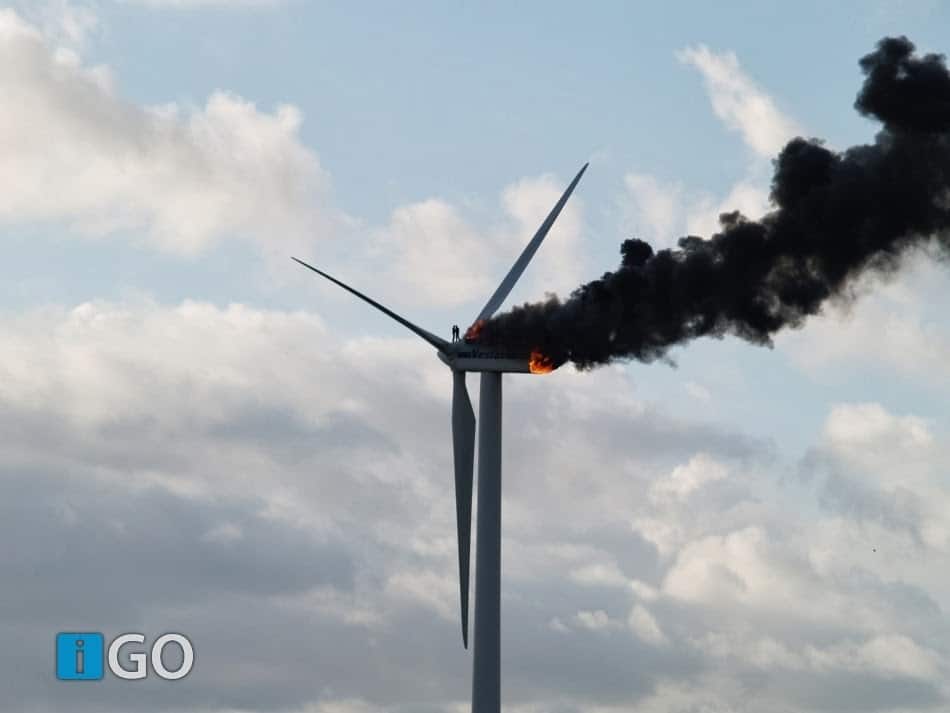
(491, 361)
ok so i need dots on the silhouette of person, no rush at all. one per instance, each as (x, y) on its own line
(455, 332)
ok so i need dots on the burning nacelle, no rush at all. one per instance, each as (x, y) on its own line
(473, 357)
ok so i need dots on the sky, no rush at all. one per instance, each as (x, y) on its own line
(198, 436)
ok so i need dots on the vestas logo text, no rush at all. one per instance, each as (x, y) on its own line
(80, 657)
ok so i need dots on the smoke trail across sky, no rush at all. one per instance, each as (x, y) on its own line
(836, 215)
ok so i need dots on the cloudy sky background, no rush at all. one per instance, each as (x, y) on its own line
(200, 437)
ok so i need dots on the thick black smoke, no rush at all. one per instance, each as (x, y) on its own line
(836, 215)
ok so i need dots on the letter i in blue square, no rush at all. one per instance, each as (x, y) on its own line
(79, 657)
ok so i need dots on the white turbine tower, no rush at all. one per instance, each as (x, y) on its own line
(461, 357)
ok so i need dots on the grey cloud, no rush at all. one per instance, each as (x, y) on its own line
(83, 555)
(845, 692)
(268, 521)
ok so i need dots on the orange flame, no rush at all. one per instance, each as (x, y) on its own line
(473, 332)
(538, 363)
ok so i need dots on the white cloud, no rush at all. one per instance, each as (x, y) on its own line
(643, 591)
(869, 426)
(739, 102)
(687, 478)
(63, 22)
(560, 264)
(226, 532)
(665, 534)
(892, 469)
(429, 252)
(697, 391)
(644, 625)
(600, 574)
(888, 655)
(895, 314)
(593, 620)
(703, 693)
(79, 153)
(761, 652)
(437, 590)
(747, 196)
(653, 211)
(184, 178)
(662, 212)
(745, 570)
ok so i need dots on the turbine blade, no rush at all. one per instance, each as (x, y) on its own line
(435, 341)
(463, 442)
(530, 249)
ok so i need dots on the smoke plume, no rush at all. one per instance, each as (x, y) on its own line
(835, 216)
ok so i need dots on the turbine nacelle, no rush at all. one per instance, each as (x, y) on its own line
(476, 360)
(467, 357)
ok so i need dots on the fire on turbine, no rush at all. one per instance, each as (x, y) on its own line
(836, 215)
